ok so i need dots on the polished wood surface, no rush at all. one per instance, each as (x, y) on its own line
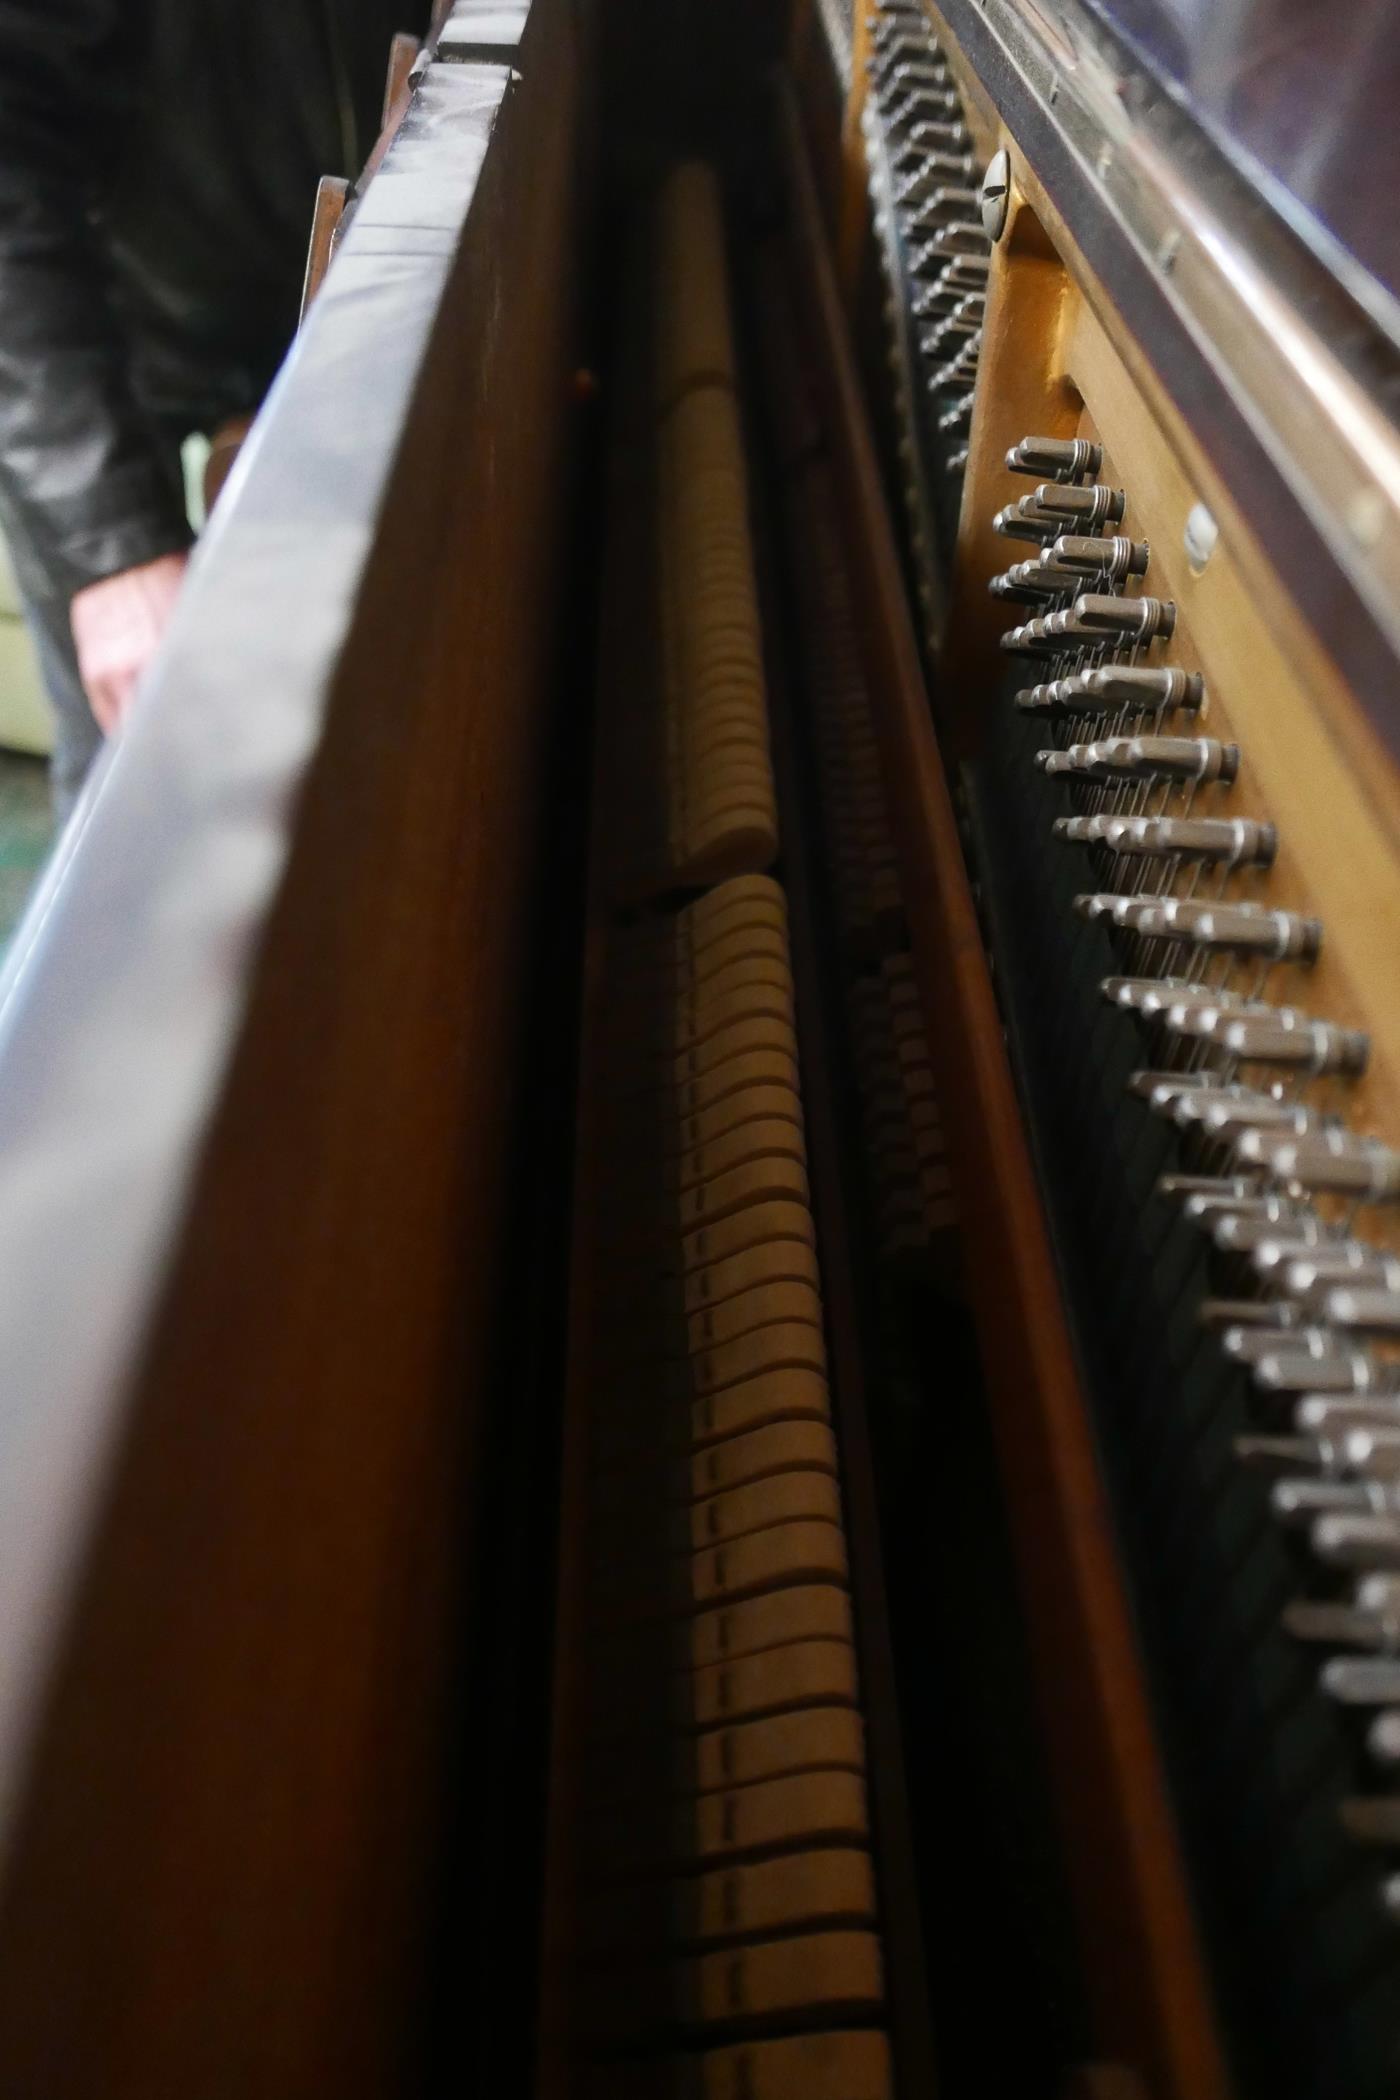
(223, 1857)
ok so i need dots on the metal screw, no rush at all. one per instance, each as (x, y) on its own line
(996, 194)
(1199, 537)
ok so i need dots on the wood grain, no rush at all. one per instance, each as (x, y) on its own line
(222, 1873)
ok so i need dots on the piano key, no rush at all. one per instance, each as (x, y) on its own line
(807, 1616)
(778, 1447)
(819, 1739)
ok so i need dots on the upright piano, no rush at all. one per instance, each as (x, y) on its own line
(700, 1131)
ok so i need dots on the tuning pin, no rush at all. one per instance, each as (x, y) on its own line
(1337, 1371)
(1307, 1275)
(1357, 1541)
(933, 301)
(1049, 699)
(1240, 1236)
(950, 241)
(1088, 507)
(956, 462)
(1031, 582)
(1114, 558)
(911, 70)
(1223, 1114)
(1132, 620)
(1383, 1744)
(939, 203)
(1371, 1449)
(1335, 1625)
(1333, 1162)
(1029, 640)
(1150, 996)
(1014, 523)
(1181, 758)
(1234, 929)
(951, 168)
(1315, 1047)
(1067, 459)
(1159, 1089)
(1136, 688)
(1362, 1680)
(923, 101)
(952, 329)
(968, 273)
(1372, 1312)
(955, 420)
(941, 134)
(1230, 842)
(1324, 1414)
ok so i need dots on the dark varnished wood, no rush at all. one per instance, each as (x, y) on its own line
(1143, 1967)
(228, 1782)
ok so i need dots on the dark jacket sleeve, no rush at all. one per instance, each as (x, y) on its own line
(84, 487)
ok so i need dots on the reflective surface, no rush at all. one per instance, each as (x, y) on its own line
(1304, 96)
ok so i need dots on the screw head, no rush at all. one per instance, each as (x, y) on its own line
(996, 194)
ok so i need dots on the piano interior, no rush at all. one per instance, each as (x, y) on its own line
(702, 1401)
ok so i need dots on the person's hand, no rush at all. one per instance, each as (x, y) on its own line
(117, 624)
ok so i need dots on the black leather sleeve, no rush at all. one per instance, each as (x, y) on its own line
(85, 488)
